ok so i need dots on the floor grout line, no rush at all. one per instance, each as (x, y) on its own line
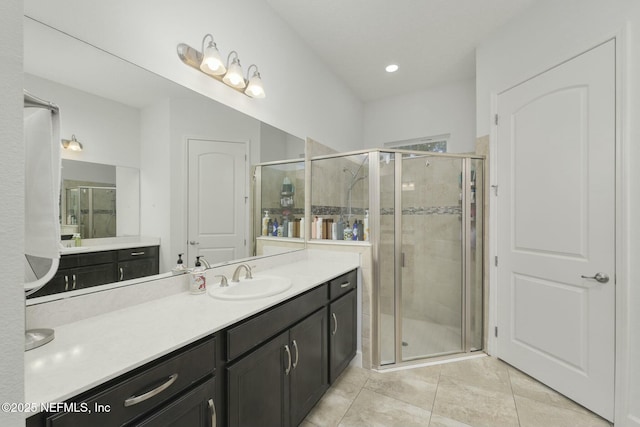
(435, 396)
(513, 396)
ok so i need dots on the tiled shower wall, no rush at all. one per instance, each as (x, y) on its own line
(431, 240)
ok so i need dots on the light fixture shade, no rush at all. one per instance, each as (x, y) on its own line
(72, 144)
(254, 87)
(211, 62)
(234, 77)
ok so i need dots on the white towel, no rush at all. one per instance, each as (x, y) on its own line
(42, 187)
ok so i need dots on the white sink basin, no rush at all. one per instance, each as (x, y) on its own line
(258, 287)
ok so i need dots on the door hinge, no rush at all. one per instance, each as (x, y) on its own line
(495, 260)
(495, 331)
(496, 119)
(245, 242)
(495, 189)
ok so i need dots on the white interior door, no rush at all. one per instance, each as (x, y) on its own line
(556, 216)
(217, 200)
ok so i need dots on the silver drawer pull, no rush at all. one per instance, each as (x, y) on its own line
(335, 324)
(121, 273)
(212, 409)
(295, 346)
(345, 285)
(66, 283)
(74, 282)
(134, 400)
(137, 253)
(288, 369)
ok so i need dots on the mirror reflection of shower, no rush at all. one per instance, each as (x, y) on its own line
(353, 178)
(93, 210)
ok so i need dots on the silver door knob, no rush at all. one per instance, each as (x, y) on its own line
(600, 277)
(193, 242)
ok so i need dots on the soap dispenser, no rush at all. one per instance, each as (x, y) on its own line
(179, 268)
(198, 283)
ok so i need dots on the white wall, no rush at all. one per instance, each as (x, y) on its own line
(11, 211)
(545, 35)
(155, 177)
(109, 131)
(303, 97)
(440, 110)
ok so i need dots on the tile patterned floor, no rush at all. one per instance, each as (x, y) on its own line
(478, 392)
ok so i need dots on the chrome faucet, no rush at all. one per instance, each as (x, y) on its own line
(223, 280)
(236, 274)
(205, 263)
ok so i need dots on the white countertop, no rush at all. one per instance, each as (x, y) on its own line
(90, 352)
(109, 244)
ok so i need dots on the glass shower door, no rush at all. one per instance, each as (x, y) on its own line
(431, 289)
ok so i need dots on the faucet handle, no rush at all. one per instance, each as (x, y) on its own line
(223, 280)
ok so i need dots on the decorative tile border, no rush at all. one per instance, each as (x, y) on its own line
(433, 210)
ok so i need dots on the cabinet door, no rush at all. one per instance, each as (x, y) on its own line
(137, 268)
(194, 409)
(342, 332)
(309, 376)
(93, 275)
(257, 386)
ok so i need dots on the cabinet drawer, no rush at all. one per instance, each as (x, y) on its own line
(142, 392)
(253, 332)
(92, 258)
(137, 253)
(343, 284)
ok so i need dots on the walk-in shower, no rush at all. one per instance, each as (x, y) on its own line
(425, 230)
(419, 219)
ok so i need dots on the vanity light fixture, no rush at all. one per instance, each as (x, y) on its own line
(72, 144)
(210, 63)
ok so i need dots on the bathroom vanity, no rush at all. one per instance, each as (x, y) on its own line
(200, 361)
(84, 267)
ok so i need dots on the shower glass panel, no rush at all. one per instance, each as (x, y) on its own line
(386, 258)
(431, 256)
(476, 267)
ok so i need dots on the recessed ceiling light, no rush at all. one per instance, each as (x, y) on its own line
(391, 68)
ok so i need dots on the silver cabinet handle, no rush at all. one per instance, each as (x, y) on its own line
(288, 369)
(600, 277)
(193, 242)
(121, 273)
(134, 400)
(66, 283)
(137, 253)
(345, 285)
(335, 324)
(212, 409)
(295, 346)
(74, 282)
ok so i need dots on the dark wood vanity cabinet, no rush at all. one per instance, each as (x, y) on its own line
(178, 389)
(279, 383)
(267, 370)
(281, 378)
(84, 270)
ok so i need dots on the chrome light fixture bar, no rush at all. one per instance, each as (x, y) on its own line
(209, 62)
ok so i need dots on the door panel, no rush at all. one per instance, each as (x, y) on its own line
(217, 203)
(556, 169)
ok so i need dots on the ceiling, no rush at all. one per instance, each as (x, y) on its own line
(432, 41)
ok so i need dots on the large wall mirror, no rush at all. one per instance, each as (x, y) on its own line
(136, 129)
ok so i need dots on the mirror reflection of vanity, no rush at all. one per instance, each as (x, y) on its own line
(139, 125)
